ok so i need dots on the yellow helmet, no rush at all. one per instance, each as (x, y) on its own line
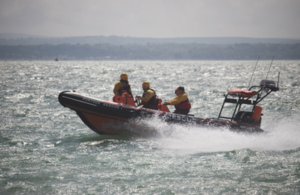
(146, 85)
(124, 76)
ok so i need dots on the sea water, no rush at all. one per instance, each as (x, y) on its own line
(46, 149)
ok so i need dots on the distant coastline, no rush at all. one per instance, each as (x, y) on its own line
(151, 52)
(23, 39)
(131, 48)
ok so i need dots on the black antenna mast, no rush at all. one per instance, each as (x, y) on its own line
(268, 73)
(270, 68)
(253, 72)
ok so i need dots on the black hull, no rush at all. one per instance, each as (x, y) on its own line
(96, 114)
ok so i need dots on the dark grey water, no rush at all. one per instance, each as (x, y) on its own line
(46, 149)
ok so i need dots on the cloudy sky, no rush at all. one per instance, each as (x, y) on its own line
(152, 18)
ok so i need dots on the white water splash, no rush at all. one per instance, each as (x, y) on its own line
(194, 139)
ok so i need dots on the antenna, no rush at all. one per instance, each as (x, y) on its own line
(268, 74)
(278, 80)
(253, 72)
(269, 68)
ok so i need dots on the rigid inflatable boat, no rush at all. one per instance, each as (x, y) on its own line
(99, 115)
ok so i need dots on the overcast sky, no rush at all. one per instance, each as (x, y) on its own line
(152, 18)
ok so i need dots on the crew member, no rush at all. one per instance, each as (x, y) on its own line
(149, 96)
(122, 85)
(181, 102)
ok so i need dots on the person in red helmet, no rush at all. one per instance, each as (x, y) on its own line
(122, 85)
(181, 102)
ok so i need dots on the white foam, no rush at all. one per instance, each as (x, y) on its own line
(193, 139)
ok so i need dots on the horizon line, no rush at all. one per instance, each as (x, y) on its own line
(24, 35)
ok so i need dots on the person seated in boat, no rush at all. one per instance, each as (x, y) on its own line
(122, 85)
(149, 97)
(181, 102)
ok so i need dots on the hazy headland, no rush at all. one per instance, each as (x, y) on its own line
(25, 47)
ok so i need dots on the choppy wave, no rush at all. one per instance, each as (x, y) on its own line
(46, 148)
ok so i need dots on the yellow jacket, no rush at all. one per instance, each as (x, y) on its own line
(178, 99)
(149, 94)
(118, 86)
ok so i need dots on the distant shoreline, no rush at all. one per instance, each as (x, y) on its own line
(170, 51)
(21, 39)
(15, 60)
